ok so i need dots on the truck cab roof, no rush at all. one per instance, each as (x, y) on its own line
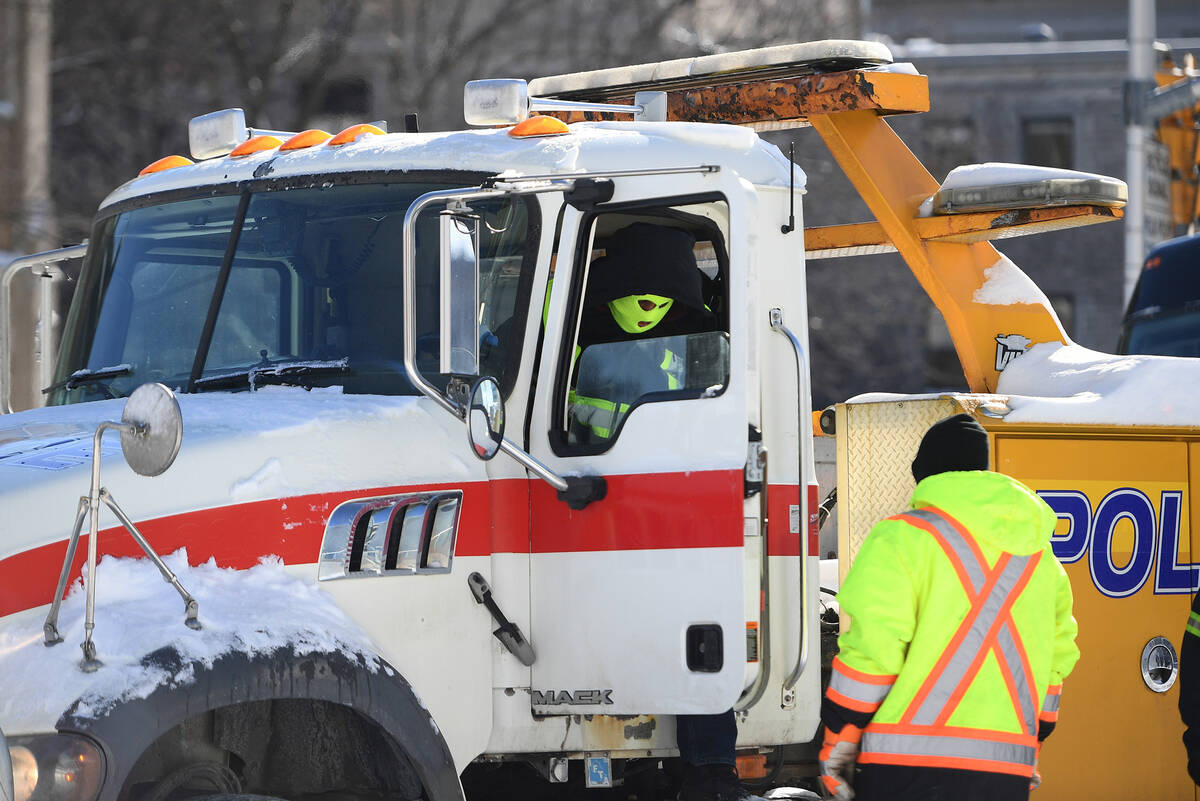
(587, 147)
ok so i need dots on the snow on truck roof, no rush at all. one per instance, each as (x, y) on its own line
(588, 147)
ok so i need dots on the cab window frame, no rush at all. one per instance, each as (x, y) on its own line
(647, 210)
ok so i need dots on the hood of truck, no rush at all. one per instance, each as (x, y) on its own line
(243, 454)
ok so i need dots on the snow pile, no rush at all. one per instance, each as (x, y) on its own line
(270, 480)
(255, 611)
(1056, 383)
(998, 173)
(1005, 284)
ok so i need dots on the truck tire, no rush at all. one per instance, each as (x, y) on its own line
(372, 688)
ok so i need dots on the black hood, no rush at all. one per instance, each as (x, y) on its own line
(647, 259)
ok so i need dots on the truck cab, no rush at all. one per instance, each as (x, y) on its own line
(296, 300)
(1163, 316)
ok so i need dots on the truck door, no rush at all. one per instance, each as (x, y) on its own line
(637, 598)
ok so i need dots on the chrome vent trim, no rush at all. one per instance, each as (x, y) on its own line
(394, 535)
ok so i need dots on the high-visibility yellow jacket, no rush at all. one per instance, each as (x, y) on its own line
(960, 630)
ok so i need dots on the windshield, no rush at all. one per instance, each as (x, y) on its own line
(311, 296)
(1166, 335)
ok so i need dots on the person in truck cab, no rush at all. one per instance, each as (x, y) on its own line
(961, 633)
(646, 288)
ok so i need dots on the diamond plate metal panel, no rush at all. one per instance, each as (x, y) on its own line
(876, 445)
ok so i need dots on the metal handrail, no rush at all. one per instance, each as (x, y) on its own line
(756, 690)
(45, 259)
(559, 177)
(409, 269)
(803, 404)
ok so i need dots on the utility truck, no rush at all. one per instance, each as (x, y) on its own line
(324, 386)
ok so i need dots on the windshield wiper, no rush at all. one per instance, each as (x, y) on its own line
(81, 377)
(293, 374)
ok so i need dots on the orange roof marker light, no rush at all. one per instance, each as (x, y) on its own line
(539, 126)
(166, 163)
(353, 132)
(313, 136)
(256, 144)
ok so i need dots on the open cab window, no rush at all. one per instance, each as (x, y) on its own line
(653, 319)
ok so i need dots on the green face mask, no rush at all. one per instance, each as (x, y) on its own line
(637, 314)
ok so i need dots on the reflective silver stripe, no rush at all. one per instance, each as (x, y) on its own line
(961, 548)
(1051, 702)
(858, 690)
(1011, 657)
(956, 669)
(941, 746)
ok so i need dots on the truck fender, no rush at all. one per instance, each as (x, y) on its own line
(370, 686)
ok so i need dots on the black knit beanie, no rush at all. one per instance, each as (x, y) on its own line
(956, 443)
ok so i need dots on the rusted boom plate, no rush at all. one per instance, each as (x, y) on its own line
(859, 239)
(787, 99)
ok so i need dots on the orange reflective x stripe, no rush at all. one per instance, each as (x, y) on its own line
(987, 627)
(922, 737)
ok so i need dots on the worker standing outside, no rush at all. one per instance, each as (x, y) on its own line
(960, 635)
(1189, 689)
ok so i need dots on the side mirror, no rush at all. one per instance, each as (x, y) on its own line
(459, 277)
(151, 430)
(485, 418)
(486, 434)
(43, 265)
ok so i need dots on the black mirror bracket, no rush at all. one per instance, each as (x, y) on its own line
(587, 193)
(458, 392)
(582, 490)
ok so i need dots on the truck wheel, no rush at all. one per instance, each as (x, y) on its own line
(216, 776)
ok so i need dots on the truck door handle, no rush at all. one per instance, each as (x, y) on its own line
(509, 634)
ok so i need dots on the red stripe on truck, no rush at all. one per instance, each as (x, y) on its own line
(235, 536)
(642, 512)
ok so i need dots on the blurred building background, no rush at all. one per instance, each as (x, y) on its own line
(92, 92)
